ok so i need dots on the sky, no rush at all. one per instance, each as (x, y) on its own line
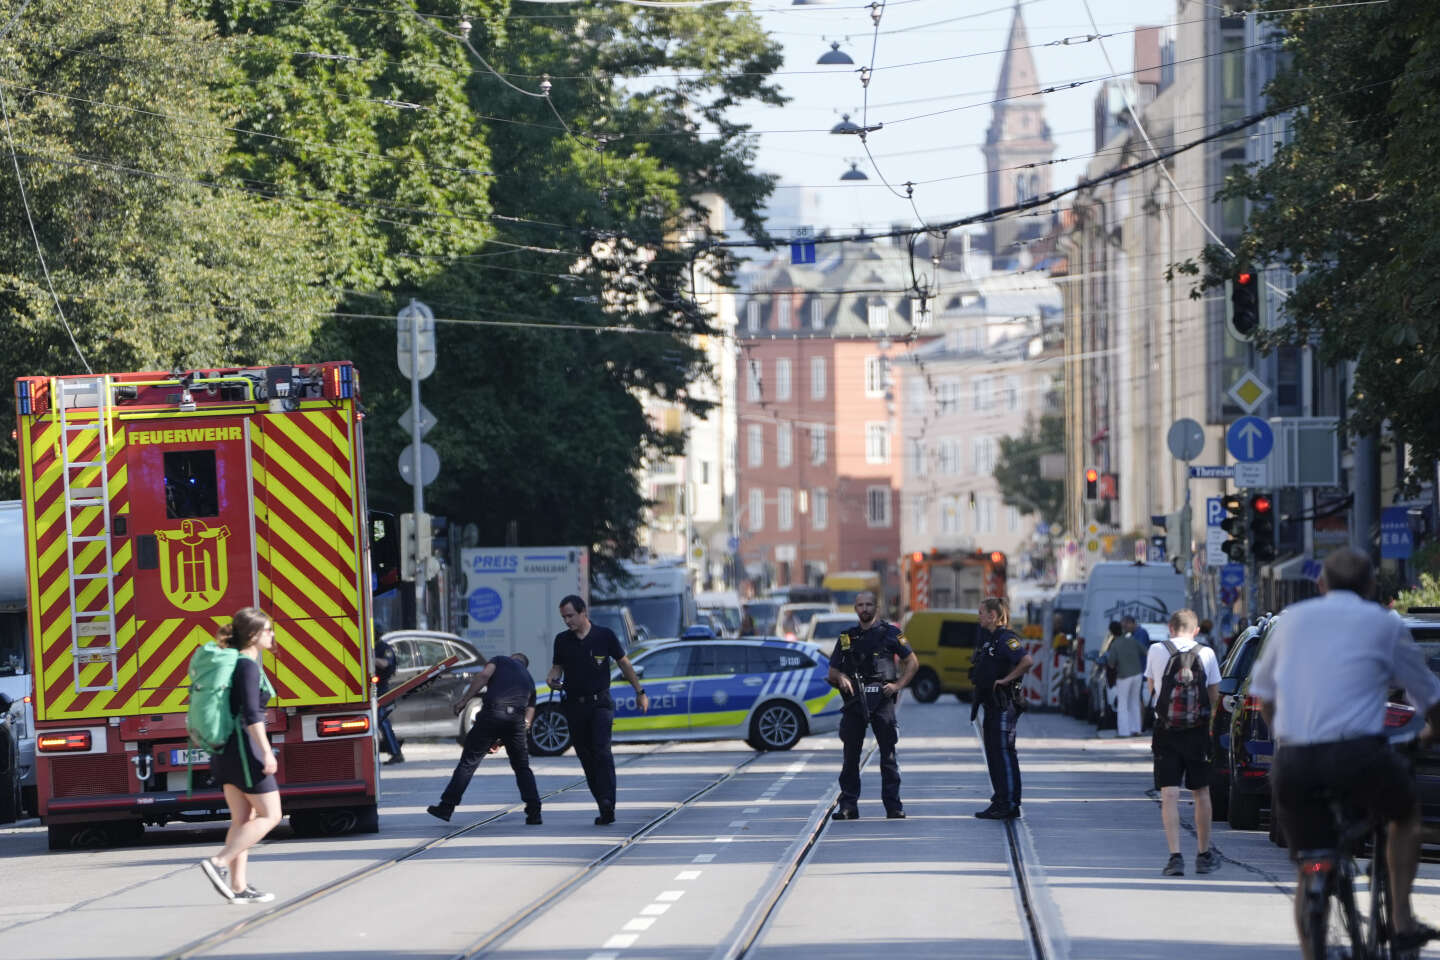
(945, 149)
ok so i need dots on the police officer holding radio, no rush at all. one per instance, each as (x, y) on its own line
(863, 667)
(583, 653)
(1000, 662)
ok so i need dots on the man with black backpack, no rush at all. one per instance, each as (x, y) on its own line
(1183, 680)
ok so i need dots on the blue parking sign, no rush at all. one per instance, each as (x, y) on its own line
(1232, 575)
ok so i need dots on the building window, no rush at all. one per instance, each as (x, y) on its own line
(820, 509)
(782, 379)
(877, 506)
(874, 376)
(752, 380)
(755, 434)
(983, 449)
(756, 509)
(752, 315)
(817, 314)
(949, 515)
(949, 456)
(704, 472)
(878, 317)
(785, 509)
(1012, 393)
(817, 445)
(817, 378)
(919, 510)
(948, 396)
(1012, 519)
(920, 313)
(877, 443)
(784, 445)
(915, 395)
(984, 393)
(782, 313)
(985, 515)
(917, 458)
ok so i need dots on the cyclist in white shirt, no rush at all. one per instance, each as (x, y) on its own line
(1323, 681)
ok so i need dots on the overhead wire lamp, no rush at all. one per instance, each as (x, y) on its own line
(846, 125)
(854, 173)
(835, 56)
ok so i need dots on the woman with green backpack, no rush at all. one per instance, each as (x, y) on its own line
(245, 765)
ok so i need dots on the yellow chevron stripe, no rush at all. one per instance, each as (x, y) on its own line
(344, 442)
(181, 651)
(290, 465)
(323, 596)
(318, 526)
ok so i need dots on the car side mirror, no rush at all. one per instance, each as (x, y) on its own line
(639, 669)
(641, 634)
(1229, 685)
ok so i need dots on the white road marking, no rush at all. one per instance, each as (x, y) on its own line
(620, 941)
(740, 823)
(703, 858)
(606, 955)
(688, 875)
(654, 909)
(669, 896)
(751, 810)
(722, 840)
(639, 923)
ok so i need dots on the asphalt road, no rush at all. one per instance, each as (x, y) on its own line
(696, 866)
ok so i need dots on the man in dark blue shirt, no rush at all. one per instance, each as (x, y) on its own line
(582, 655)
(863, 667)
(505, 716)
(1000, 662)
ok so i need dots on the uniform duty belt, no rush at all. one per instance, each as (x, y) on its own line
(588, 697)
(874, 687)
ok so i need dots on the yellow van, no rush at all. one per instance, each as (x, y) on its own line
(846, 585)
(944, 643)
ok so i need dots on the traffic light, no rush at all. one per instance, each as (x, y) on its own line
(1262, 527)
(1236, 523)
(1092, 485)
(1244, 304)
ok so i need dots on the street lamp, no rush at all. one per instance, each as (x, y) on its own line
(854, 173)
(835, 57)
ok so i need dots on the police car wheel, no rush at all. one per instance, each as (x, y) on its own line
(549, 732)
(776, 726)
(926, 686)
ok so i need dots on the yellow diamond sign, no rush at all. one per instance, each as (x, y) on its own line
(1249, 392)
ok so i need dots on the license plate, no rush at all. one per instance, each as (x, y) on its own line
(194, 755)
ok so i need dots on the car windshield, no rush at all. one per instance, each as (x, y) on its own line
(660, 616)
(764, 613)
(12, 644)
(806, 614)
(827, 629)
(610, 618)
(729, 617)
(844, 598)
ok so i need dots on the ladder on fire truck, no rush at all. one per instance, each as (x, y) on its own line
(91, 623)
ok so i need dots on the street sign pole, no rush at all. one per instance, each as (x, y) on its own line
(419, 317)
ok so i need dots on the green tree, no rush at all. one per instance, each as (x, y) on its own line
(1347, 208)
(156, 258)
(1018, 469)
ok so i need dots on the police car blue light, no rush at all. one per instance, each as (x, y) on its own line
(766, 691)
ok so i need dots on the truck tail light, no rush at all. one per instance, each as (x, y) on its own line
(342, 726)
(71, 742)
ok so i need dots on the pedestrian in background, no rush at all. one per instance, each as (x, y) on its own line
(1127, 659)
(1000, 663)
(582, 656)
(505, 716)
(384, 670)
(1184, 683)
(863, 668)
(253, 797)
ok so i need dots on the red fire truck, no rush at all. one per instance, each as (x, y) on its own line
(950, 579)
(155, 505)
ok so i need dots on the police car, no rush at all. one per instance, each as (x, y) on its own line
(767, 691)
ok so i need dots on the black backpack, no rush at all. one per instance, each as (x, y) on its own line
(1184, 702)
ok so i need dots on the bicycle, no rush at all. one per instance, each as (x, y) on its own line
(1330, 874)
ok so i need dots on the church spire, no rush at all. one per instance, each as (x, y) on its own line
(1018, 143)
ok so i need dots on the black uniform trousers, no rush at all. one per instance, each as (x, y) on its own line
(591, 719)
(852, 736)
(490, 727)
(998, 726)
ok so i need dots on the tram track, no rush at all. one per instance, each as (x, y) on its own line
(313, 895)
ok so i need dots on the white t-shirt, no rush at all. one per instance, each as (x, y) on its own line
(1329, 665)
(1159, 656)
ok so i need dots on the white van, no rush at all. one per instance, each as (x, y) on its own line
(1149, 592)
(723, 605)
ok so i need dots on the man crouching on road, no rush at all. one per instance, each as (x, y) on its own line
(1184, 683)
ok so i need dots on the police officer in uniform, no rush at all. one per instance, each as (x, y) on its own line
(582, 655)
(504, 718)
(863, 667)
(1000, 662)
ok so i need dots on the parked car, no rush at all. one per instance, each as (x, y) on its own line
(617, 617)
(825, 628)
(765, 613)
(724, 609)
(430, 711)
(944, 643)
(794, 618)
(768, 691)
(1234, 673)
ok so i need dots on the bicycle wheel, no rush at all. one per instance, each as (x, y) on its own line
(1381, 930)
(1349, 926)
(1316, 889)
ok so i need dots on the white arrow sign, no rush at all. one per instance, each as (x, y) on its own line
(1249, 433)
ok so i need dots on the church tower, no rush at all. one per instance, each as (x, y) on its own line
(1018, 135)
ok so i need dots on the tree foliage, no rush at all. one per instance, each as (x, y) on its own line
(1018, 473)
(156, 258)
(1348, 208)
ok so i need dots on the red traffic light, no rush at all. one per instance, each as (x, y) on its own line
(1244, 279)
(1261, 504)
(1092, 475)
(997, 557)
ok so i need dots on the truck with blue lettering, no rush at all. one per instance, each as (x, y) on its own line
(512, 598)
